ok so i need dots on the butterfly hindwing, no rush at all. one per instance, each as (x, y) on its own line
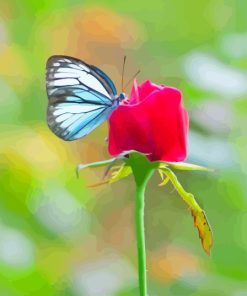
(81, 97)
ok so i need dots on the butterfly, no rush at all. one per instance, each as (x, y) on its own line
(81, 97)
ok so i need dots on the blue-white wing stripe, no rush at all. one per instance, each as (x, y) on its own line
(79, 93)
(88, 95)
(106, 78)
(67, 123)
(63, 82)
(89, 125)
(63, 117)
(75, 108)
(79, 123)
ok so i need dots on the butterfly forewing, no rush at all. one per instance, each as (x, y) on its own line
(80, 96)
(63, 70)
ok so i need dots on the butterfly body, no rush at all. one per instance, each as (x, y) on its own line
(81, 97)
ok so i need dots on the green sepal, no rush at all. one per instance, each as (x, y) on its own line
(94, 165)
(182, 166)
(123, 171)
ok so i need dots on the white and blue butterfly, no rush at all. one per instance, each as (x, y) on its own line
(81, 97)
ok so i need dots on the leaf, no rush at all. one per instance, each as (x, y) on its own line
(200, 220)
(183, 166)
(122, 172)
(204, 230)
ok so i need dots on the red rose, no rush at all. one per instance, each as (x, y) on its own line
(153, 121)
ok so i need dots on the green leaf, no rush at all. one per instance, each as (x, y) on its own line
(200, 219)
(121, 173)
(183, 166)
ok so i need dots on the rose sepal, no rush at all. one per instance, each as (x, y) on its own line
(184, 166)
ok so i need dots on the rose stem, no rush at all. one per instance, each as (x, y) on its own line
(142, 172)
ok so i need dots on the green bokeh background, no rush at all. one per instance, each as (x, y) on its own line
(60, 238)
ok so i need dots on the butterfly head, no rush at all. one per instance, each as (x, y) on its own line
(122, 96)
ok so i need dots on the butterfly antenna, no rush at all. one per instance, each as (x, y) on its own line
(133, 77)
(123, 71)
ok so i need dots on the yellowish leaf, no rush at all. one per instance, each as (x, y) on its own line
(200, 220)
(122, 172)
(164, 180)
(117, 173)
(204, 229)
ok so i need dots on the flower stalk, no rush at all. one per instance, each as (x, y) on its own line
(142, 171)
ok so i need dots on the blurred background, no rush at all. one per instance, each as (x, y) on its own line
(60, 238)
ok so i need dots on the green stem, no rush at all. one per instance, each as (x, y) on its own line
(142, 171)
(140, 237)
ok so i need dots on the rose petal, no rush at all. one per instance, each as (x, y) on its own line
(146, 88)
(157, 125)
